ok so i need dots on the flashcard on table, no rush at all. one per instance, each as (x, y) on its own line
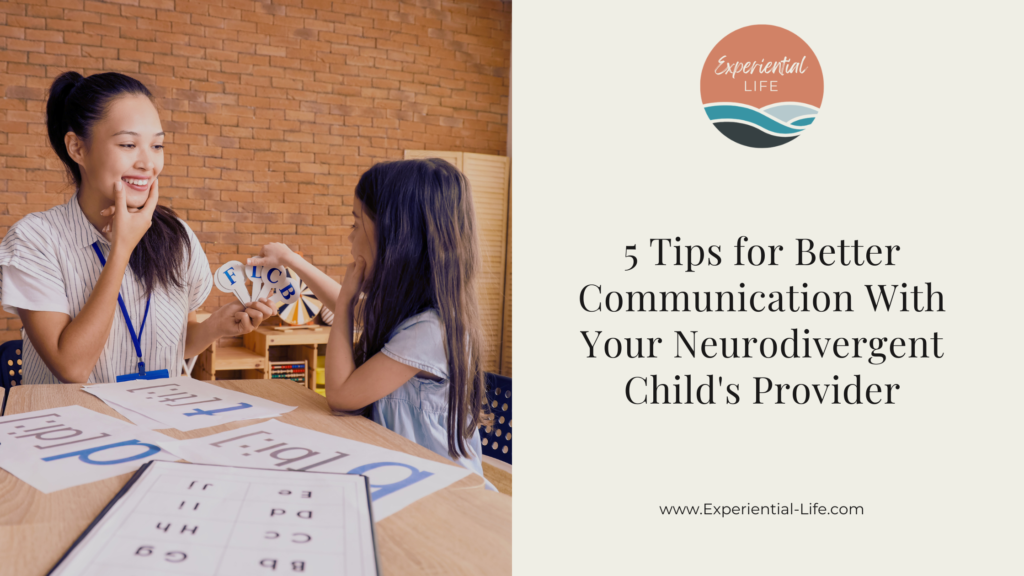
(396, 479)
(63, 447)
(185, 403)
(231, 278)
(178, 518)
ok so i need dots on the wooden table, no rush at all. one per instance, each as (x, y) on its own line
(461, 529)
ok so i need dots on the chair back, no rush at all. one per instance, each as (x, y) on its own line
(497, 438)
(10, 361)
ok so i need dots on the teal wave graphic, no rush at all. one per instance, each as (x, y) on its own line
(787, 111)
(725, 112)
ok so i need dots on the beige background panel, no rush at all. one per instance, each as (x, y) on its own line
(613, 148)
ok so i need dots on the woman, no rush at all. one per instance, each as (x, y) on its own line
(107, 285)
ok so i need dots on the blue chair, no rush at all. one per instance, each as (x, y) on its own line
(10, 358)
(497, 438)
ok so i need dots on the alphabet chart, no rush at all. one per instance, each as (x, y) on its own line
(185, 403)
(396, 478)
(178, 518)
(59, 448)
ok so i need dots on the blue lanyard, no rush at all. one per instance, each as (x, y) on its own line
(127, 320)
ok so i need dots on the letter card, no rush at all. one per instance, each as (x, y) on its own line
(396, 478)
(59, 448)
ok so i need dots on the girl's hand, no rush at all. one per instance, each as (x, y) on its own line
(352, 285)
(274, 254)
(236, 320)
(127, 227)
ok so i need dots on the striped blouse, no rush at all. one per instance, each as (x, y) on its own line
(54, 248)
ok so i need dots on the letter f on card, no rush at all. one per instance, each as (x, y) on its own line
(200, 412)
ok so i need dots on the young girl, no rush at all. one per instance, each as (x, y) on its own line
(106, 285)
(415, 260)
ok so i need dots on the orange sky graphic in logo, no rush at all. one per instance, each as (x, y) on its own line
(762, 86)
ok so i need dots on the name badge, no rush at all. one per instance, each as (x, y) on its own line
(151, 375)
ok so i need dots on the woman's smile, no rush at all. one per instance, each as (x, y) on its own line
(136, 183)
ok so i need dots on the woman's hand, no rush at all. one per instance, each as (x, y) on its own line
(352, 285)
(127, 227)
(274, 254)
(236, 320)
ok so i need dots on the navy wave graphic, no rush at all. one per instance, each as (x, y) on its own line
(767, 127)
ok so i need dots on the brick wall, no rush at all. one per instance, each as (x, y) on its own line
(273, 109)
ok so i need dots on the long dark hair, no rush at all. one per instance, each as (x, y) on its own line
(427, 257)
(75, 104)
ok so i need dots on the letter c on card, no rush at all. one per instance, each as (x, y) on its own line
(85, 455)
(383, 490)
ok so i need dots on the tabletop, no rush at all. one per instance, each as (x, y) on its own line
(461, 529)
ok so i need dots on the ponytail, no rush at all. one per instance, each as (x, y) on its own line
(75, 104)
(56, 120)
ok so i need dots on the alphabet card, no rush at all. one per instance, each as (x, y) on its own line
(139, 420)
(63, 447)
(277, 279)
(178, 518)
(230, 277)
(255, 275)
(185, 403)
(396, 479)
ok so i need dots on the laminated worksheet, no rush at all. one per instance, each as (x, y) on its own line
(178, 518)
(184, 403)
(397, 479)
(62, 447)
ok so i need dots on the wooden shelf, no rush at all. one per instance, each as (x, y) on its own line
(253, 359)
(232, 358)
(265, 336)
(252, 364)
(297, 345)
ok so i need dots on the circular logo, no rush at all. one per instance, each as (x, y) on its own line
(762, 86)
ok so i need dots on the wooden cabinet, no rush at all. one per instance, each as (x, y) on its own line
(229, 359)
(260, 348)
(301, 344)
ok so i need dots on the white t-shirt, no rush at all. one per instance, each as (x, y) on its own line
(48, 264)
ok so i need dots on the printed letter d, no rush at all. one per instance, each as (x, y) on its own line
(85, 455)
